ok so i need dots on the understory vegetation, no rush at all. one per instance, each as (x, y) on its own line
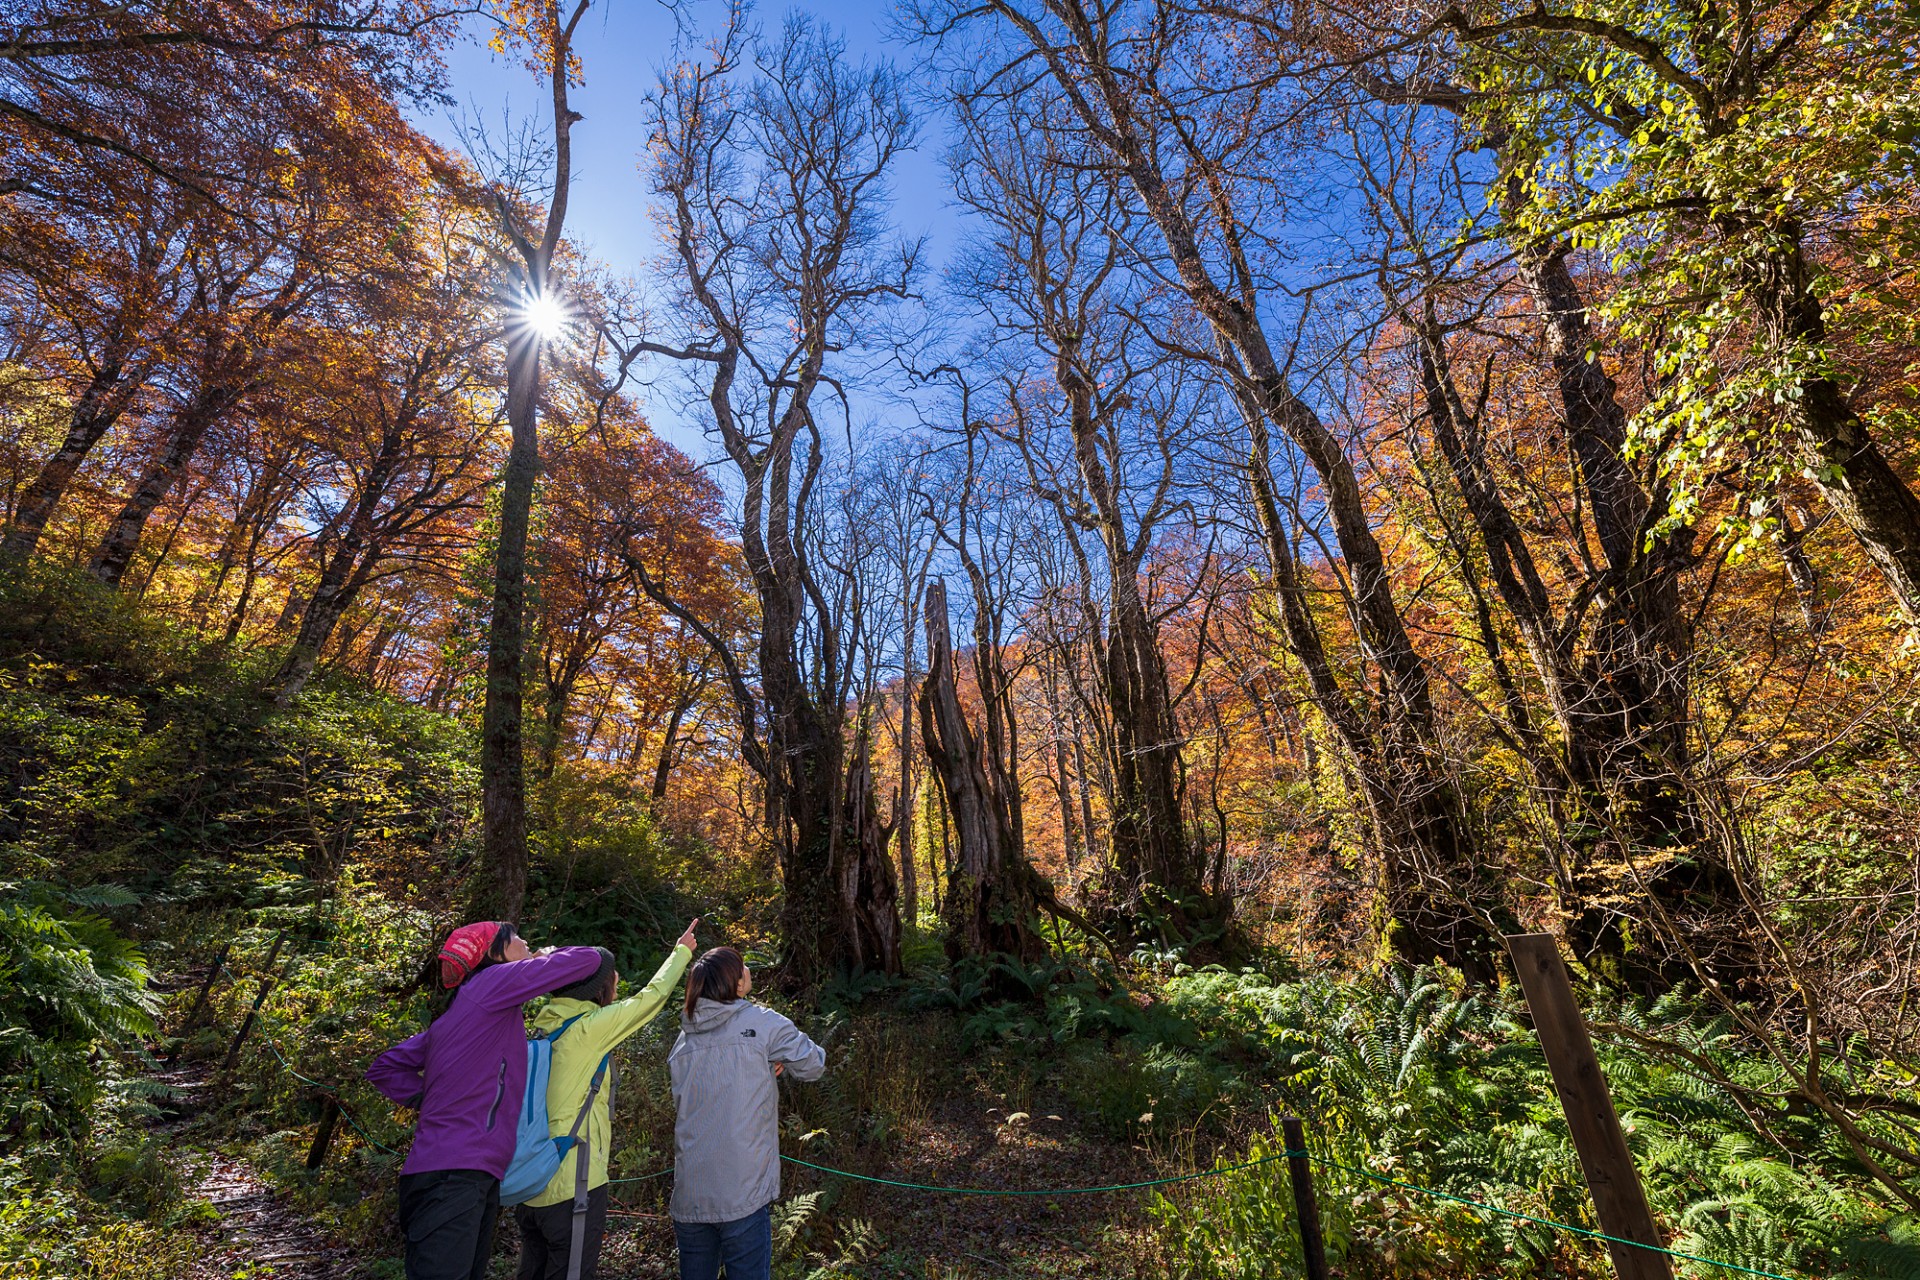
(189, 856)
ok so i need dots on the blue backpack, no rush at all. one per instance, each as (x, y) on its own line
(536, 1152)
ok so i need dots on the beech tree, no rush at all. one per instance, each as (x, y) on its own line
(173, 89)
(1686, 147)
(536, 311)
(772, 192)
(1109, 451)
(397, 439)
(110, 275)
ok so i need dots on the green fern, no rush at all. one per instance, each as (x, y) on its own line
(70, 988)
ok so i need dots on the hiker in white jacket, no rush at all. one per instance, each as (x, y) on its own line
(726, 1139)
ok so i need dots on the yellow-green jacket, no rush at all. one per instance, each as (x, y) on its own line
(575, 1057)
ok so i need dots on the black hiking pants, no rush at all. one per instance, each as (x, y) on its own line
(447, 1216)
(546, 1238)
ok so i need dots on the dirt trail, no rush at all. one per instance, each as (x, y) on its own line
(257, 1235)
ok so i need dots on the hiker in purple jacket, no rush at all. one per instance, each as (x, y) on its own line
(466, 1073)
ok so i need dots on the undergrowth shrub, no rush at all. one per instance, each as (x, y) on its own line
(1409, 1078)
(49, 1227)
(139, 754)
(73, 1001)
(345, 989)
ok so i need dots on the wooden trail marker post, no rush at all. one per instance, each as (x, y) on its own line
(1619, 1201)
(260, 998)
(200, 1001)
(1312, 1249)
(329, 1117)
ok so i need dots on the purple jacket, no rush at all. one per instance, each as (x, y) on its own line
(468, 1071)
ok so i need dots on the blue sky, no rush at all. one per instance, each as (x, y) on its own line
(624, 44)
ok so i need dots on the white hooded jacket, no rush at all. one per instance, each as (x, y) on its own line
(726, 1138)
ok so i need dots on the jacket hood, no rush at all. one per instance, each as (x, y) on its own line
(711, 1015)
(557, 1011)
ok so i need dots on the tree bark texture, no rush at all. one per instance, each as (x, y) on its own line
(869, 888)
(502, 749)
(992, 903)
(1626, 732)
(1441, 900)
(1161, 876)
(904, 806)
(99, 407)
(122, 539)
(1854, 476)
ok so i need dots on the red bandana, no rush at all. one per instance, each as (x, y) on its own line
(465, 948)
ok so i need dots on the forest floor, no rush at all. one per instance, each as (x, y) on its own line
(969, 1137)
(251, 1232)
(912, 1233)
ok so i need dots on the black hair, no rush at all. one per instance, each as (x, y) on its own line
(715, 976)
(597, 986)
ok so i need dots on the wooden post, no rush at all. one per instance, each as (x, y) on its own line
(329, 1117)
(1619, 1201)
(200, 1001)
(1312, 1249)
(259, 998)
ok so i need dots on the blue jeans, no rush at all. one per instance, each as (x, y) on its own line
(742, 1249)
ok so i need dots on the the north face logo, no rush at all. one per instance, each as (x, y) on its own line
(750, 1031)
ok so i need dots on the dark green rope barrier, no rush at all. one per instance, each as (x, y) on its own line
(1053, 1191)
(1008, 1191)
(1569, 1227)
(645, 1177)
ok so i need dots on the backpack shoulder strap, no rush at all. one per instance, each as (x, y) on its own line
(560, 1030)
(593, 1091)
(577, 1251)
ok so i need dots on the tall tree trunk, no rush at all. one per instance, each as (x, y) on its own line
(1625, 719)
(376, 654)
(561, 682)
(346, 569)
(1089, 834)
(992, 900)
(262, 495)
(1163, 874)
(190, 425)
(819, 793)
(167, 544)
(1800, 571)
(1442, 902)
(503, 781)
(869, 891)
(1069, 845)
(346, 572)
(1161, 881)
(99, 407)
(1854, 476)
(262, 520)
(663, 764)
(1612, 763)
(903, 823)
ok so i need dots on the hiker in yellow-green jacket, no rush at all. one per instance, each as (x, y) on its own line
(548, 1250)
